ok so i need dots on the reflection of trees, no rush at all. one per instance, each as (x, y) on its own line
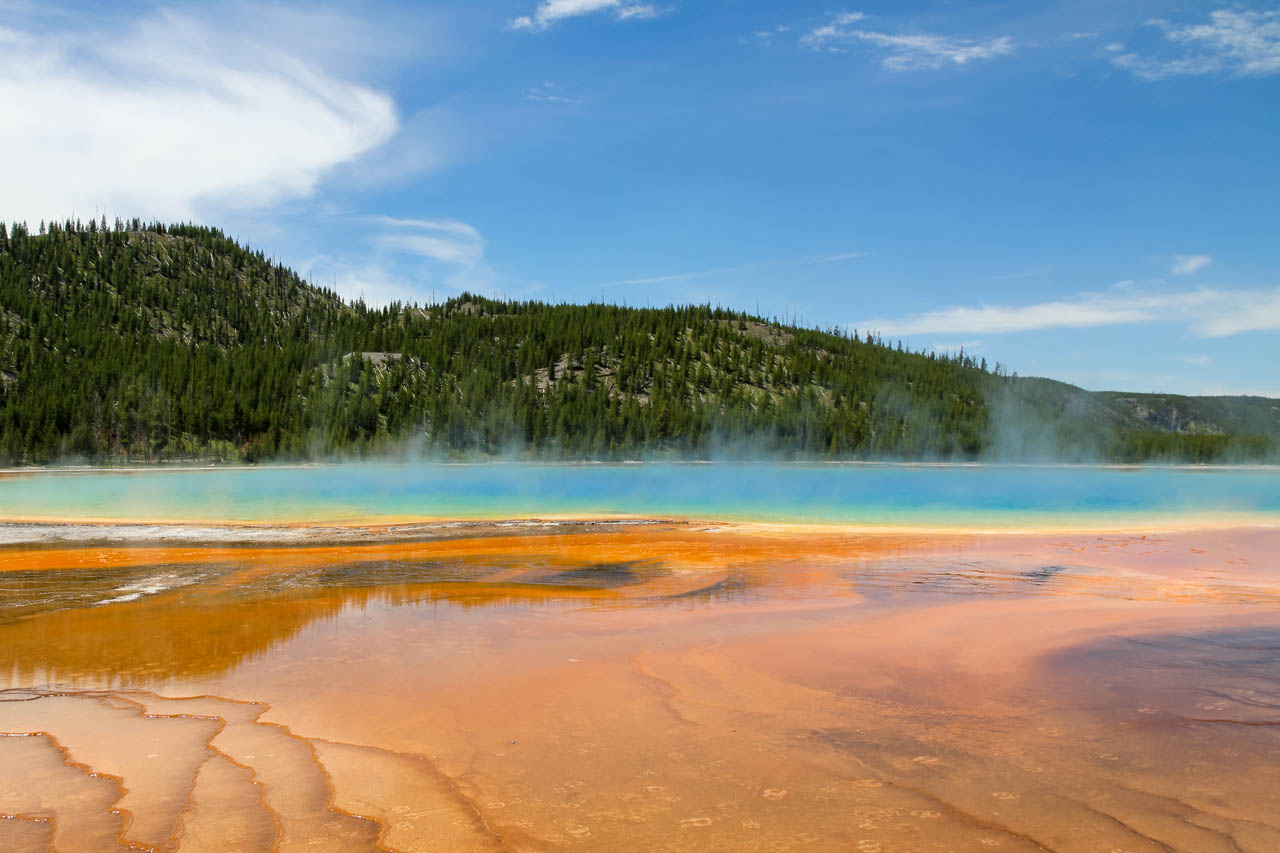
(167, 636)
(209, 628)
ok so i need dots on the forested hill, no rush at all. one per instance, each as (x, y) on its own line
(133, 342)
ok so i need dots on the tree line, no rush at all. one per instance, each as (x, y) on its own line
(131, 341)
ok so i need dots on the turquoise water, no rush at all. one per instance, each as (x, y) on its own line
(959, 495)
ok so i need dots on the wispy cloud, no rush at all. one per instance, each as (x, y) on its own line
(412, 260)
(449, 226)
(1233, 41)
(967, 346)
(1206, 312)
(549, 93)
(445, 240)
(767, 36)
(832, 258)
(1188, 264)
(740, 269)
(639, 12)
(174, 116)
(907, 51)
(682, 276)
(549, 12)
(833, 31)
(375, 285)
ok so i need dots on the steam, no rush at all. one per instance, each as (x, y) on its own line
(1024, 431)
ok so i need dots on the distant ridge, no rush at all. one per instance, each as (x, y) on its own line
(135, 342)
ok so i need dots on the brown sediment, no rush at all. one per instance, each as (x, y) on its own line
(694, 547)
(679, 687)
(25, 776)
(151, 803)
(21, 833)
(226, 811)
(36, 779)
(297, 819)
(230, 819)
(295, 788)
(570, 539)
(417, 806)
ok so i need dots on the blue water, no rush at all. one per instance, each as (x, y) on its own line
(971, 495)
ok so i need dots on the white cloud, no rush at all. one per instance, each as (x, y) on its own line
(551, 11)
(1242, 311)
(449, 253)
(449, 226)
(1207, 313)
(639, 13)
(833, 30)
(375, 286)
(444, 240)
(907, 51)
(176, 116)
(461, 252)
(1234, 41)
(372, 280)
(931, 51)
(1188, 264)
(428, 141)
(411, 260)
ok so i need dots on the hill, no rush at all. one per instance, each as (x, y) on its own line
(136, 342)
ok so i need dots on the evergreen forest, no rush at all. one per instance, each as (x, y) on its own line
(131, 342)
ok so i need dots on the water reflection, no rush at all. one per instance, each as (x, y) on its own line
(665, 689)
(140, 617)
(148, 622)
(207, 628)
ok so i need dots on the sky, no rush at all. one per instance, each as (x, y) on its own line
(1083, 190)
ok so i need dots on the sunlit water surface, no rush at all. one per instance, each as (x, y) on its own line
(697, 683)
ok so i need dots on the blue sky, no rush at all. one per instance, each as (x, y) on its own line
(1083, 190)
